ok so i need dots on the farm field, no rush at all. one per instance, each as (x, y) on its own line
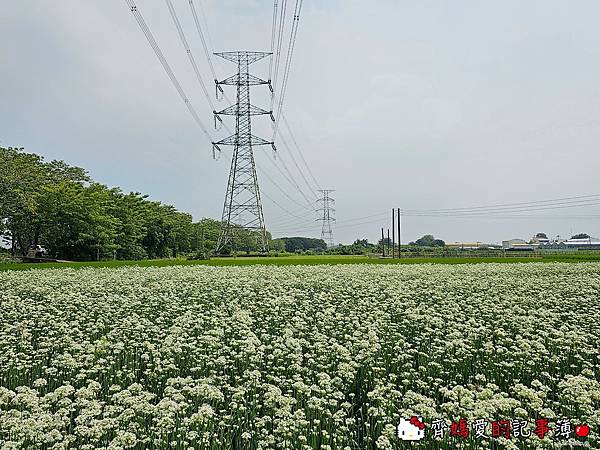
(296, 356)
(309, 260)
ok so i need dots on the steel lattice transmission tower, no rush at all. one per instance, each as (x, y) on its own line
(326, 212)
(242, 208)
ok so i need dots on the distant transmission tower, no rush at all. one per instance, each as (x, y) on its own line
(242, 208)
(326, 218)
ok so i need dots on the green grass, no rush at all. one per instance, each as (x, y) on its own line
(304, 260)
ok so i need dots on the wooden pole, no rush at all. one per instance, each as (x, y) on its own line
(202, 241)
(393, 233)
(388, 242)
(399, 238)
(382, 243)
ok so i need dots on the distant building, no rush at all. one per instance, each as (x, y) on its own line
(516, 245)
(470, 245)
(575, 243)
(588, 243)
(539, 239)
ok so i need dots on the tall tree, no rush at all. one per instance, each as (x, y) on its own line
(60, 207)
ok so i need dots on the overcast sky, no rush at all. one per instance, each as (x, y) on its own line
(417, 104)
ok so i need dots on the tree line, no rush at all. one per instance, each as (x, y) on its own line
(298, 244)
(60, 208)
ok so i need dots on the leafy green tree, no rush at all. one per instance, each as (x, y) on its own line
(277, 245)
(301, 244)
(23, 180)
(59, 207)
(128, 210)
(73, 221)
(429, 241)
(206, 235)
(358, 247)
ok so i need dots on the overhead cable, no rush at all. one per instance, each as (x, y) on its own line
(189, 53)
(273, 32)
(289, 129)
(205, 46)
(282, 207)
(283, 191)
(280, 32)
(161, 58)
(288, 64)
(310, 188)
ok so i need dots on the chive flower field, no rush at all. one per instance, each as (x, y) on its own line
(298, 357)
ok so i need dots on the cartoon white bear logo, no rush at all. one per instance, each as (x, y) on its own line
(412, 429)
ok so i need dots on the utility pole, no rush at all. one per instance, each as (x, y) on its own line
(326, 218)
(382, 242)
(202, 242)
(393, 234)
(399, 238)
(388, 241)
(242, 208)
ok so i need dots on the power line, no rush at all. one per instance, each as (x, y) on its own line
(483, 215)
(310, 189)
(495, 213)
(480, 216)
(525, 217)
(282, 207)
(492, 211)
(416, 212)
(287, 125)
(161, 58)
(364, 217)
(289, 177)
(539, 205)
(294, 218)
(521, 217)
(289, 220)
(273, 29)
(297, 224)
(203, 14)
(290, 51)
(280, 33)
(298, 215)
(347, 224)
(293, 222)
(188, 51)
(265, 173)
(288, 63)
(503, 205)
(291, 232)
(207, 52)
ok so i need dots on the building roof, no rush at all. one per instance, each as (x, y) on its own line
(583, 241)
(515, 241)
